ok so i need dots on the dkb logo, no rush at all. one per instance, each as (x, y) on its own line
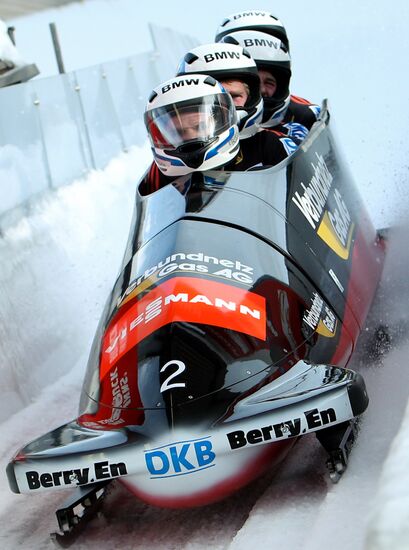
(181, 458)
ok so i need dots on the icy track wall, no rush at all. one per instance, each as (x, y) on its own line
(57, 129)
(60, 251)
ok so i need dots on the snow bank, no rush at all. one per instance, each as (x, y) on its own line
(8, 51)
(58, 266)
(389, 526)
(389, 523)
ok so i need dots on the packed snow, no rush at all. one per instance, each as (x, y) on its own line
(8, 51)
(59, 263)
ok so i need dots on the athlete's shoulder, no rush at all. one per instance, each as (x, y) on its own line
(281, 140)
(302, 111)
(299, 100)
(273, 133)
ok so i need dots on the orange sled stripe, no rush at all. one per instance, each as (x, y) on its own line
(184, 299)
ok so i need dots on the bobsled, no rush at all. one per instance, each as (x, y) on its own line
(225, 339)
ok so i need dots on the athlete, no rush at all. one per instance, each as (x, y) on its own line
(229, 62)
(264, 36)
(193, 125)
(290, 114)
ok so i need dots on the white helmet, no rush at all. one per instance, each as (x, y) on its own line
(192, 125)
(255, 20)
(270, 54)
(229, 62)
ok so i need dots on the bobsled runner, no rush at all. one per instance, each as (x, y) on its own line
(225, 339)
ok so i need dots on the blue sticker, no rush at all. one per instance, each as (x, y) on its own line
(181, 458)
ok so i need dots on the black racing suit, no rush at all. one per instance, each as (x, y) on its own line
(299, 118)
(265, 148)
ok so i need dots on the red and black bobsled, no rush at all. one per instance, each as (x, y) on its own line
(226, 337)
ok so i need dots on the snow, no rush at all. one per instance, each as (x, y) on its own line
(8, 52)
(52, 264)
(59, 263)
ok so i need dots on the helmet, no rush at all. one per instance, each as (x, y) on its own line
(261, 21)
(270, 54)
(192, 125)
(229, 62)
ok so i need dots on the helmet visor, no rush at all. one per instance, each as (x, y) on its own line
(199, 119)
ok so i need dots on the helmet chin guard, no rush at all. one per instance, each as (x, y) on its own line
(274, 115)
(249, 123)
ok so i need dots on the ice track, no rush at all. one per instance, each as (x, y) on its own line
(295, 507)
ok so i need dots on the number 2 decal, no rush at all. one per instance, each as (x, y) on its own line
(180, 368)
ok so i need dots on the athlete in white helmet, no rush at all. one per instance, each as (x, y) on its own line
(290, 114)
(232, 65)
(193, 125)
(264, 36)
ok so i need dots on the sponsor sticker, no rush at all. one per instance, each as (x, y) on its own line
(79, 476)
(312, 420)
(320, 317)
(121, 399)
(328, 325)
(312, 316)
(332, 224)
(181, 458)
(245, 14)
(189, 300)
(336, 228)
(194, 262)
(221, 55)
(263, 43)
(179, 84)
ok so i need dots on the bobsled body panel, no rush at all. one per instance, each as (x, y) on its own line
(227, 333)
